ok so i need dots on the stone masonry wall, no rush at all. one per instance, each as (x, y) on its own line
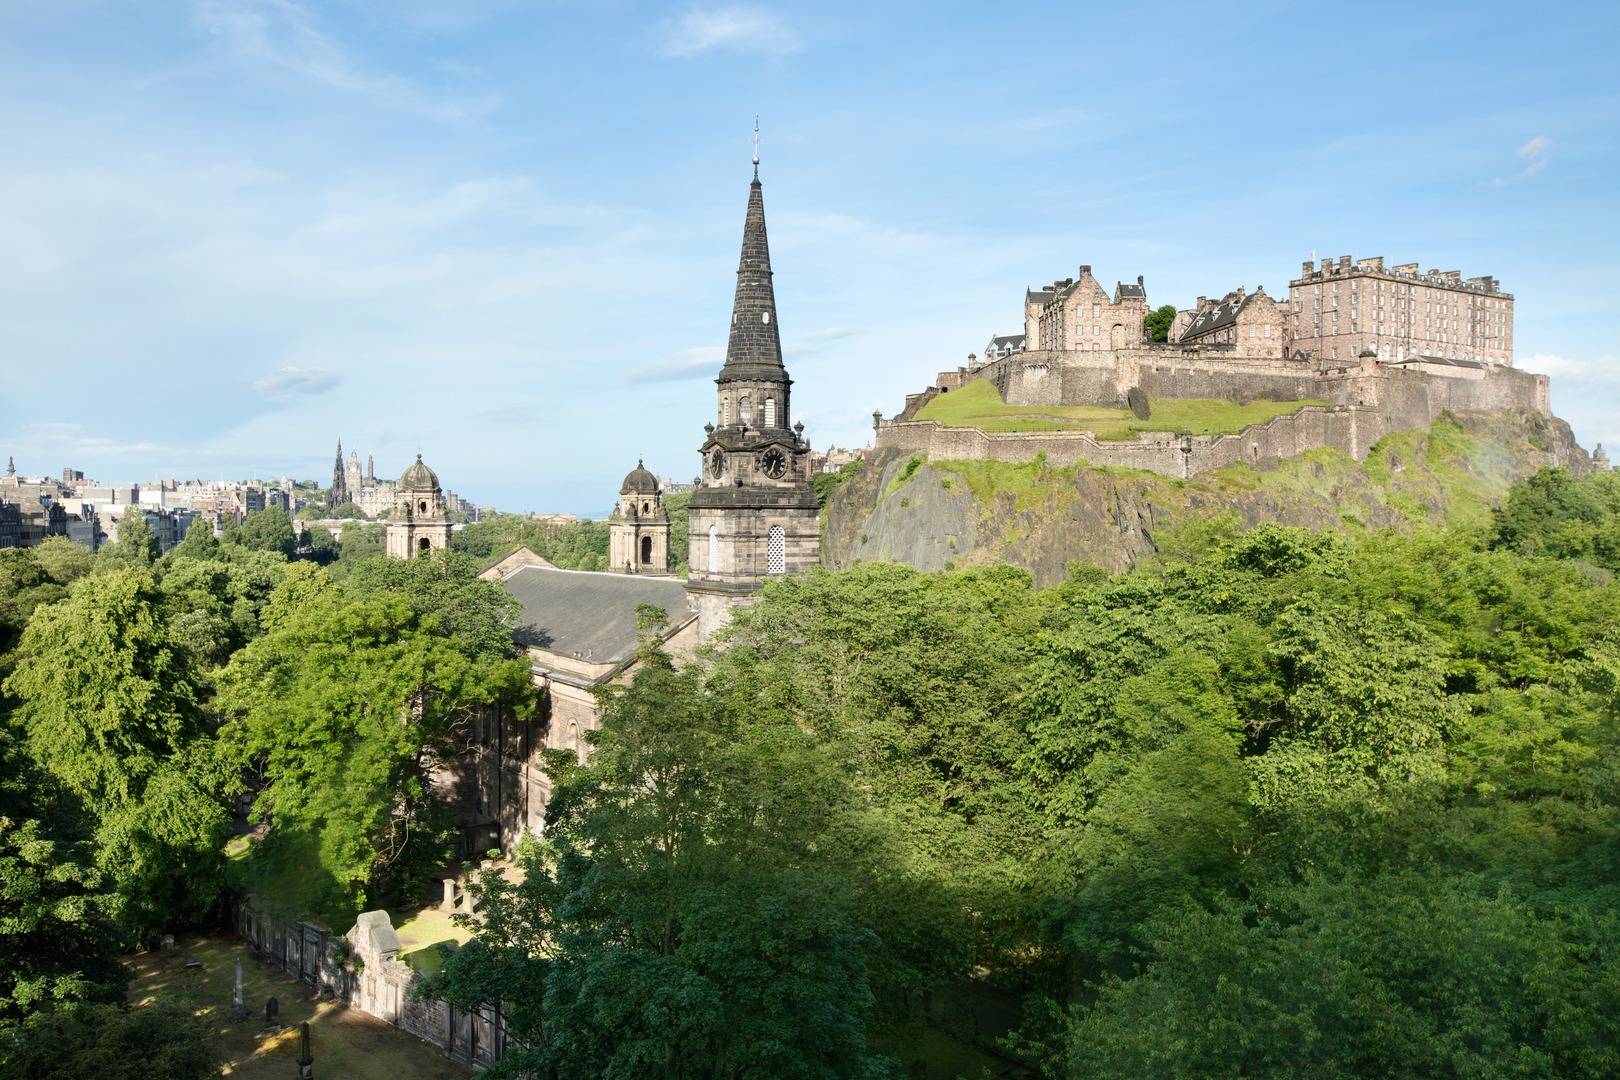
(1364, 403)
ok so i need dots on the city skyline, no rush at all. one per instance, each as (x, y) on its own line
(506, 237)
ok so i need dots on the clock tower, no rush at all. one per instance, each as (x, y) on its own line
(754, 514)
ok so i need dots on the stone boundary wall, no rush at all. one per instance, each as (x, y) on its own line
(1349, 429)
(1365, 403)
(362, 970)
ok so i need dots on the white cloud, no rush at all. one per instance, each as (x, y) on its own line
(1535, 147)
(1602, 369)
(1535, 154)
(735, 29)
(691, 363)
(291, 381)
(284, 35)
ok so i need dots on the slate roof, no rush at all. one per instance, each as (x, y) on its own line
(754, 350)
(1128, 291)
(1221, 315)
(588, 615)
(1039, 296)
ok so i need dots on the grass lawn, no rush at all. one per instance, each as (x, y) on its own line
(425, 936)
(346, 1043)
(979, 405)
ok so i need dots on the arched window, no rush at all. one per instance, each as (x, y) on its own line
(422, 506)
(423, 545)
(714, 549)
(646, 508)
(776, 551)
(745, 410)
(646, 549)
(770, 412)
(725, 411)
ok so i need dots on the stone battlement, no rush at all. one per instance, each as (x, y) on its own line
(1366, 401)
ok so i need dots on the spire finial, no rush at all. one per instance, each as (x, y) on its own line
(756, 146)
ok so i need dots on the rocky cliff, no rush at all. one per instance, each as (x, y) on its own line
(936, 514)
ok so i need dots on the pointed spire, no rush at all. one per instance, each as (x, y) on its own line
(755, 348)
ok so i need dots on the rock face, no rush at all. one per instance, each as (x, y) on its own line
(938, 514)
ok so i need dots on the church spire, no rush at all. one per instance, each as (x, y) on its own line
(755, 348)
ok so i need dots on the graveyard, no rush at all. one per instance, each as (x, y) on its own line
(200, 972)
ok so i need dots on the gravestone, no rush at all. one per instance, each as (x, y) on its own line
(306, 1060)
(1138, 401)
(272, 1010)
(239, 1009)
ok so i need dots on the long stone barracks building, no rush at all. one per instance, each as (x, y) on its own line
(1367, 351)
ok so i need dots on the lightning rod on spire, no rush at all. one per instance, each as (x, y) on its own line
(756, 146)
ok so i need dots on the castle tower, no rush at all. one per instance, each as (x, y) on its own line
(352, 477)
(1600, 459)
(753, 515)
(638, 530)
(418, 523)
(339, 492)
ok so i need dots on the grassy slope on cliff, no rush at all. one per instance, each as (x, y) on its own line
(1042, 517)
(979, 405)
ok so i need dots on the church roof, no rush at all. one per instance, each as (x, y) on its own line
(588, 615)
(638, 481)
(418, 477)
(754, 350)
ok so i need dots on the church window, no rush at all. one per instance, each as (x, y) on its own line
(745, 410)
(714, 549)
(776, 551)
(646, 508)
(770, 412)
(646, 549)
(422, 506)
(725, 411)
(423, 545)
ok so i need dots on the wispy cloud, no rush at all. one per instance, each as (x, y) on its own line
(1534, 153)
(1602, 369)
(284, 35)
(292, 381)
(691, 363)
(732, 29)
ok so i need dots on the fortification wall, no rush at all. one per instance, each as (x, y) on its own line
(1349, 429)
(1365, 403)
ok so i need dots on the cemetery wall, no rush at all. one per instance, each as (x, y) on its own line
(362, 970)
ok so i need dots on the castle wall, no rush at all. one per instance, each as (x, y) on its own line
(1365, 404)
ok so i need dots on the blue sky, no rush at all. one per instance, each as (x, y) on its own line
(506, 232)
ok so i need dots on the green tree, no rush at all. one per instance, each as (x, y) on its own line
(109, 708)
(343, 708)
(684, 915)
(358, 541)
(110, 1043)
(136, 544)
(198, 543)
(1157, 322)
(58, 940)
(63, 560)
(348, 510)
(268, 530)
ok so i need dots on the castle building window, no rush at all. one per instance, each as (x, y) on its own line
(776, 551)
(714, 549)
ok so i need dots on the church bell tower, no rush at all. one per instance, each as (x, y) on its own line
(754, 514)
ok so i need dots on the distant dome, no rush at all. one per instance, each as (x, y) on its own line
(419, 478)
(639, 482)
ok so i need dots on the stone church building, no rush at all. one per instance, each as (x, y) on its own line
(753, 516)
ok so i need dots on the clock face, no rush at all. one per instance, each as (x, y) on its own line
(774, 462)
(717, 462)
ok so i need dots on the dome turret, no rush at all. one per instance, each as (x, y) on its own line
(638, 481)
(418, 477)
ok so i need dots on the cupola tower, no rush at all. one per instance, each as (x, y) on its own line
(418, 523)
(638, 530)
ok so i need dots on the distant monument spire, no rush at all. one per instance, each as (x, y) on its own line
(11, 466)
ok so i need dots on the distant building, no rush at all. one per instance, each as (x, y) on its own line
(418, 523)
(1003, 346)
(1081, 316)
(638, 529)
